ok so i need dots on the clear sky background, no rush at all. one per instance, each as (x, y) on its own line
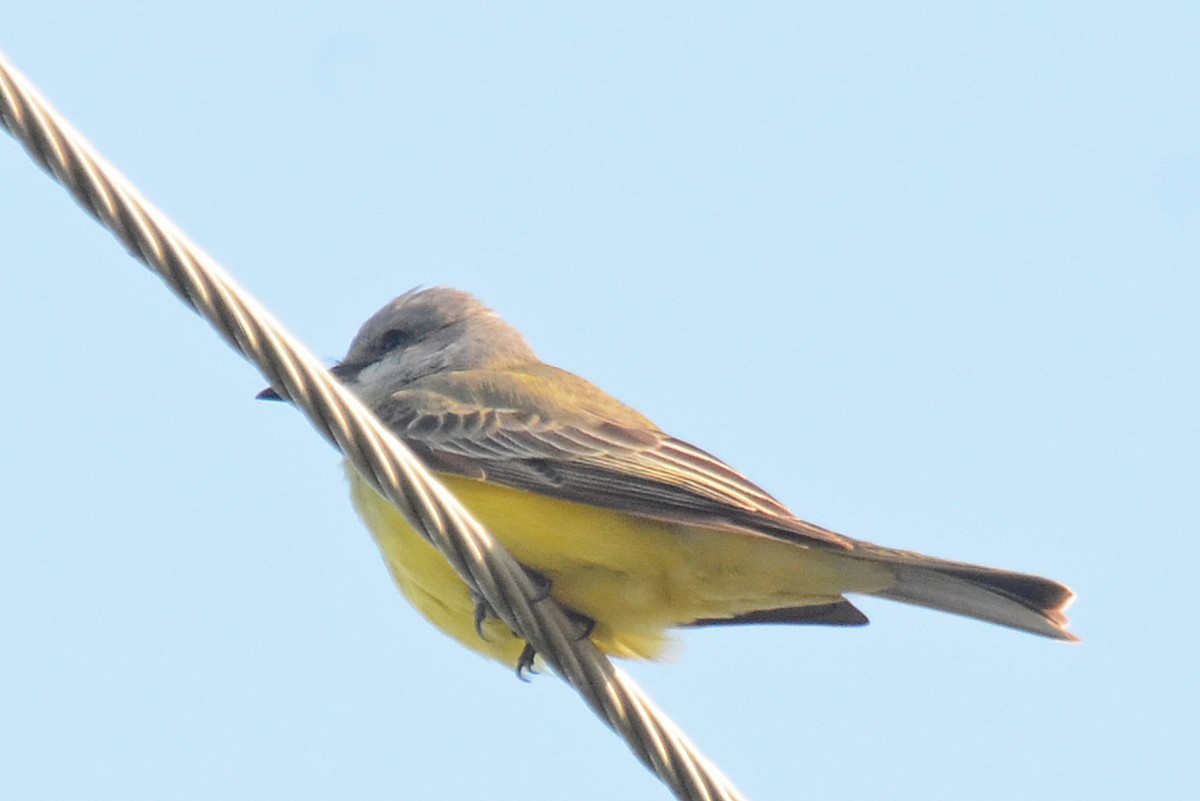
(930, 275)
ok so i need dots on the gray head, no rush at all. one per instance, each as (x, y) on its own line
(424, 332)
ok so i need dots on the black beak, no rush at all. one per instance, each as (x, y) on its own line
(346, 372)
(343, 372)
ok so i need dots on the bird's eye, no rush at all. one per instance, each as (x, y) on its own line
(395, 338)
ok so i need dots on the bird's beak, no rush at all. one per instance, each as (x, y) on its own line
(344, 372)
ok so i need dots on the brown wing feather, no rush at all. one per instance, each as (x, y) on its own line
(481, 426)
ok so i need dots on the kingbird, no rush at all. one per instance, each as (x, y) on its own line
(635, 531)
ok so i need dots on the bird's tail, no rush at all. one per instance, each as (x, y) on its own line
(1017, 600)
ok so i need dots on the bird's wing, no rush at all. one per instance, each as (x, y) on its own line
(496, 428)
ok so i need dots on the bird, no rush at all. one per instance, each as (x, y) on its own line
(635, 532)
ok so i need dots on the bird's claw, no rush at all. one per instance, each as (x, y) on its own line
(584, 626)
(542, 585)
(525, 663)
(484, 611)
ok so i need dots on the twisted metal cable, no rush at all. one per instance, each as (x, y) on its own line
(343, 420)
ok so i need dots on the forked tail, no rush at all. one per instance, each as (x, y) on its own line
(1017, 600)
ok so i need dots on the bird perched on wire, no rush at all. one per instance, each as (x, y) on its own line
(633, 530)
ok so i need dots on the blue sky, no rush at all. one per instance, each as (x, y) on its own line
(929, 275)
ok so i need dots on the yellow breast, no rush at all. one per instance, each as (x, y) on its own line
(633, 576)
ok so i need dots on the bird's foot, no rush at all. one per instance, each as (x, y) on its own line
(584, 626)
(484, 611)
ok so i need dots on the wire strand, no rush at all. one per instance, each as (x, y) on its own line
(342, 419)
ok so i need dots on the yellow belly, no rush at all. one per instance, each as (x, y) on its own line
(634, 577)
